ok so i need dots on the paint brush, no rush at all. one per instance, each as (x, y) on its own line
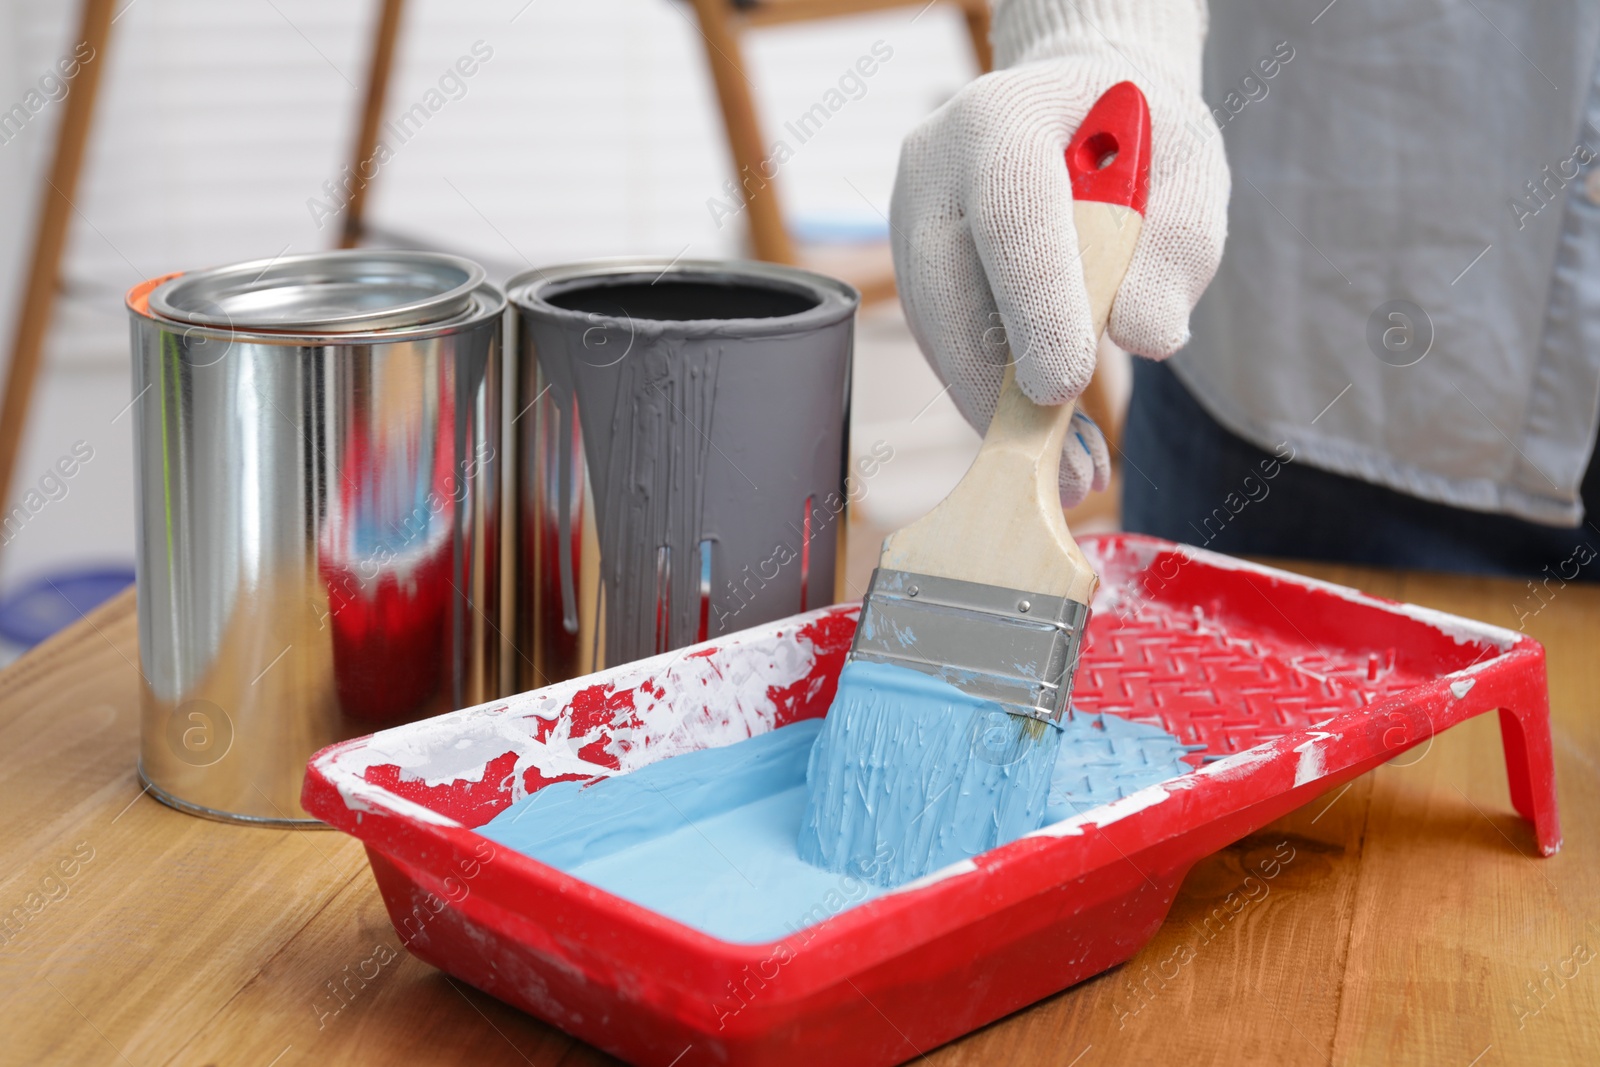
(941, 740)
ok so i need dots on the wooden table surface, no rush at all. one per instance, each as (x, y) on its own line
(1414, 924)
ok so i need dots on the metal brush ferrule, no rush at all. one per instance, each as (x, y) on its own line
(1016, 648)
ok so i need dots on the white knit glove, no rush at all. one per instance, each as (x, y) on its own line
(985, 251)
(1085, 459)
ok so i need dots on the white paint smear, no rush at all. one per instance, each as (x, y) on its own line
(695, 702)
(1308, 768)
(1105, 814)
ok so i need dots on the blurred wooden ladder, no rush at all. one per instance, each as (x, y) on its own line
(722, 26)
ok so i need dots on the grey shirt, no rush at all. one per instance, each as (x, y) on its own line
(1411, 288)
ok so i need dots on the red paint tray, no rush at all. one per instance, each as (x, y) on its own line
(1293, 687)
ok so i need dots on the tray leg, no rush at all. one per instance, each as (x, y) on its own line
(1530, 764)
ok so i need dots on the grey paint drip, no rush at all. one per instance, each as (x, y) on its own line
(649, 463)
(710, 433)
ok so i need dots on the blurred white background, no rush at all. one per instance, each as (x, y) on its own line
(592, 130)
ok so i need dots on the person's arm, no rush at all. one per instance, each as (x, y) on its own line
(985, 250)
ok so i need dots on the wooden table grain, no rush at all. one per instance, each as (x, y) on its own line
(1413, 924)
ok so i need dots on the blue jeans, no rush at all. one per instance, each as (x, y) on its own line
(1186, 478)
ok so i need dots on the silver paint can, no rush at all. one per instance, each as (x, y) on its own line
(317, 449)
(680, 442)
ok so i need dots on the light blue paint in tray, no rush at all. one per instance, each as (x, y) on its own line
(708, 838)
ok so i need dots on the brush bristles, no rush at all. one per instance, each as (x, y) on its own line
(1034, 728)
(910, 774)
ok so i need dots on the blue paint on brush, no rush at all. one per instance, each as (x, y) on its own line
(911, 767)
(709, 838)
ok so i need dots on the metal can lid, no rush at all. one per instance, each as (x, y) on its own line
(353, 291)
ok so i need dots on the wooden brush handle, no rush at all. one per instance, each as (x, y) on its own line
(1003, 524)
(1107, 234)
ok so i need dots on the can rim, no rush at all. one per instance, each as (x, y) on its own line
(199, 298)
(836, 300)
(486, 303)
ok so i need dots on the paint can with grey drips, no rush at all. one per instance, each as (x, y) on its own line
(680, 438)
(317, 449)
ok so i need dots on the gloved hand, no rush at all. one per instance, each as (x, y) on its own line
(1085, 459)
(985, 250)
